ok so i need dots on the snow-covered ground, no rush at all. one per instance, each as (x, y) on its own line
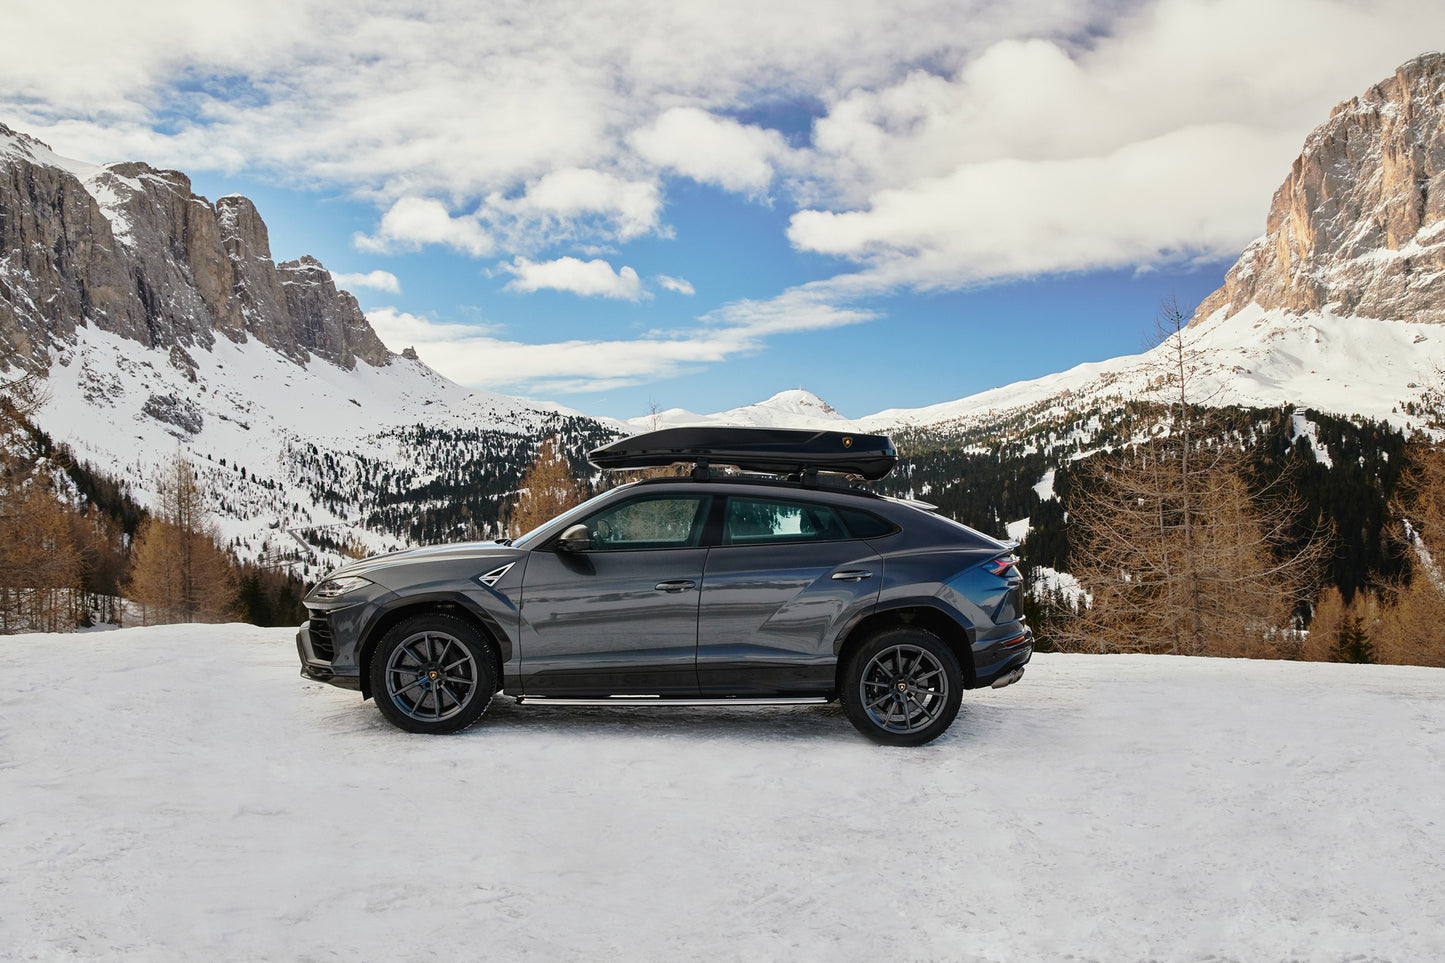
(180, 793)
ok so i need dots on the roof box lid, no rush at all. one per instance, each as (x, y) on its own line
(775, 450)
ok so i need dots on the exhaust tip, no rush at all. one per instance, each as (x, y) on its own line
(1009, 679)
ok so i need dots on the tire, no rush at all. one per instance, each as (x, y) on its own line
(902, 687)
(432, 674)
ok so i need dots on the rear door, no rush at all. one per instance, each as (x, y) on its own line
(785, 580)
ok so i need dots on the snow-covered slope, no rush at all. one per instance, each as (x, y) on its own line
(269, 436)
(179, 793)
(1350, 366)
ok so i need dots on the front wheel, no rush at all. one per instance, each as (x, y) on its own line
(432, 674)
(902, 687)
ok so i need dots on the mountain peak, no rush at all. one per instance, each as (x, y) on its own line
(13, 139)
(801, 400)
(130, 249)
(794, 408)
(1358, 226)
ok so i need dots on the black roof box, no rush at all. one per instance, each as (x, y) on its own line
(781, 451)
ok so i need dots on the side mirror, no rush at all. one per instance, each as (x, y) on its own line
(575, 539)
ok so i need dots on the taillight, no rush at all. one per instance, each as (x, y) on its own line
(1002, 566)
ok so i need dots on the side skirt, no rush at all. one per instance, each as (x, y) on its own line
(661, 701)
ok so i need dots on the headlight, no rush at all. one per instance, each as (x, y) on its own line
(334, 587)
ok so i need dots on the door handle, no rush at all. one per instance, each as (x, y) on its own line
(854, 575)
(676, 585)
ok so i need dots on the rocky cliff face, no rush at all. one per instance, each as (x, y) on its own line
(1359, 225)
(131, 250)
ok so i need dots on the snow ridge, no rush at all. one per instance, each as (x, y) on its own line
(1344, 365)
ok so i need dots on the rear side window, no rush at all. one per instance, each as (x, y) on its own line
(766, 521)
(866, 524)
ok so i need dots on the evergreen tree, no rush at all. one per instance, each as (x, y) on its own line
(1352, 642)
(251, 602)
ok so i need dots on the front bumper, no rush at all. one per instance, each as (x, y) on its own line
(322, 669)
(328, 643)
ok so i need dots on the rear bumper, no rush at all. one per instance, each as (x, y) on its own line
(997, 658)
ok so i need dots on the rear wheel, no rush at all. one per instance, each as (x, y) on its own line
(902, 687)
(432, 674)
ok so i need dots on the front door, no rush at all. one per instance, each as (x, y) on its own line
(621, 617)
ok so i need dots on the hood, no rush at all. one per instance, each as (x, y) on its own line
(482, 551)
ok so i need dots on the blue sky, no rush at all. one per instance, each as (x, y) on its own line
(624, 202)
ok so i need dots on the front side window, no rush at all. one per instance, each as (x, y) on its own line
(664, 521)
(765, 521)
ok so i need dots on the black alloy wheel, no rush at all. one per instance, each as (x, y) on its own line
(902, 687)
(432, 674)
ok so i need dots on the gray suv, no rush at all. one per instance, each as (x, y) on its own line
(718, 589)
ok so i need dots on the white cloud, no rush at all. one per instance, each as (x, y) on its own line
(376, 280)
(414, 221)
(630, 207)
(807, 307)
(478, 356)
(453, 102)
(1025, 123)
(1273, 68)
(588, 279)
(401, 328)
(560, 206)
(1036, 156)
(679, 285)
(1013, 218)
(711, 149)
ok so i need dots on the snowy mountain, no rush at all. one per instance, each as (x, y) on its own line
(1358, 226)
(794, 408)
(1337, 307)
(129, 249)
(1255, 358)
(166, 327)
(334, 455)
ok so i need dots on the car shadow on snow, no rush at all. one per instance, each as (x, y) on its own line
(977, 723)
(804, 724)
